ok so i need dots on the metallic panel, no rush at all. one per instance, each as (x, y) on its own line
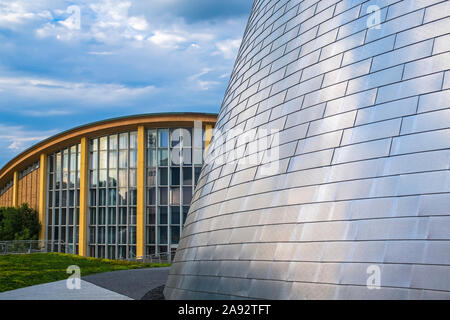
(362, 179)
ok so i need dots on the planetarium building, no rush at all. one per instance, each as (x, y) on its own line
(328, 173)
(117, 189)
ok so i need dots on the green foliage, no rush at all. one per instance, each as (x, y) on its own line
(19, 223)
(23, 270)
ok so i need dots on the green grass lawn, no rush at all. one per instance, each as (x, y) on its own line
(18, 271)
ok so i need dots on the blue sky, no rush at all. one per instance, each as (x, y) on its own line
(67, 63)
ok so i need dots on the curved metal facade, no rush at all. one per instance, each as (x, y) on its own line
(361, 193)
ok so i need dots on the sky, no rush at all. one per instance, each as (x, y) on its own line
(69, 63)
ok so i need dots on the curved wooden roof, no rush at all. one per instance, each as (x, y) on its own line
(95, 129)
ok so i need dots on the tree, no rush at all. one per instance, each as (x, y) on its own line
(19, 223)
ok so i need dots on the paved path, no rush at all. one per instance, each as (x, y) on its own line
(58, 291)
(132, 283)
(118, 285)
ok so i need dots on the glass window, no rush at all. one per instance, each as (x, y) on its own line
(123, 141)
(113, 142)
(175, 138)
(103, 143)
(112, 178)
(175, 176)
(151, 138)
(186, 137)
(151, 196)
(112, 195)
(123, 159)
(187, 176)
(163, 157)
(163, 196)
(151, 215)
(123, 196)
(162, 215)
(151, 158)
(123, 177)
(112, 216)
(151, 177)
(162, 235)
(174, 235)
(113, 159)
(133, 140)
(163, 138)
(187, 195)
(133, 159)
(163, 178)
(174, 196)
(151, 235)
(175, 215)
(175, 157)
(133, 178)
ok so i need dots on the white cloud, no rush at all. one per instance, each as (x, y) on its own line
(228, 48)
(138, 23)
(18, 138)
(167, 40)
(55, 92)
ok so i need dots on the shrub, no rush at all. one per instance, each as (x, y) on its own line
(19, 223)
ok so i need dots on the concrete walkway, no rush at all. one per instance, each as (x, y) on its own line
(58, 291)
(131, 283)
(118, 285)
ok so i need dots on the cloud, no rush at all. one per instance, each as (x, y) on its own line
(14, 139)
(228, 48)
(126, 57)
(167, 40)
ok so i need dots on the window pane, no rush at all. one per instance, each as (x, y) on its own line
(113, 159)
(103, 143)
(162, 215)
(174, 235)
(175, 176)
(133, 178)
(175, 139)
(112, 193)
(123, 159)
(187, 176)
(163, 138)
(133, 140)
(151, 157)
(123, 177)
(112, 178)
(113, 142)
(186, 138)
(123, 141)
(163, 157)
(187, 195)
(151, 177)
(151, 138)
(174, 196)
(163, 195)
(123, 196)
(175, 215)
(151, 196)
(162, 235)
(175, 157)
(133, 159)
(151, 215)
(163, 177)
(187, 156)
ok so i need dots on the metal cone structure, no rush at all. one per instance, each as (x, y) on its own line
(328, 174)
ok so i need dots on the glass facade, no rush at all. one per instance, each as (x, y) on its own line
(112, 196)
(63, 200)
(174, 158)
